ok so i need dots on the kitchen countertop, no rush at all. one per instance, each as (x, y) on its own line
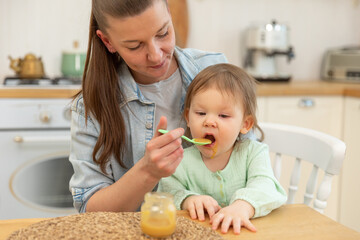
(39, 92)
(307, 88)
(292, 88)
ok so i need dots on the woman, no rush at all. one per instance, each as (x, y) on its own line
(133, 75)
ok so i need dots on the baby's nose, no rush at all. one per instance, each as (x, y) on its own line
(210, 123)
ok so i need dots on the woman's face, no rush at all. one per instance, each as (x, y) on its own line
(145, 42)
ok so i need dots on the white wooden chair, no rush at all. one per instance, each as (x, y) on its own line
(321, 150)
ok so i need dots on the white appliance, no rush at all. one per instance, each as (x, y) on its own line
(342, 64)
(268, 52)
(34, 150)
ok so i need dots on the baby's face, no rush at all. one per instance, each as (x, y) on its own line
(217, 116)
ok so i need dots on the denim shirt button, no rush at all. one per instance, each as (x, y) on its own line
(148, 125)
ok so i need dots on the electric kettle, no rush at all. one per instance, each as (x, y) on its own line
(28, 67)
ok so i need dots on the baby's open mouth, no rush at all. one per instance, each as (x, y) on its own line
(210, 137)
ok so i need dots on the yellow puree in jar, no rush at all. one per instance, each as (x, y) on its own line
(158, 225)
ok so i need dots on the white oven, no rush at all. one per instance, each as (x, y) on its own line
(34, 151)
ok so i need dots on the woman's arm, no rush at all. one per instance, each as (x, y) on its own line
(94, 190)
(162, 156)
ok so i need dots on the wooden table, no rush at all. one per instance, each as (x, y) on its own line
(295, 221)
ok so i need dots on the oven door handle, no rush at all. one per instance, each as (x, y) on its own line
(47, 139)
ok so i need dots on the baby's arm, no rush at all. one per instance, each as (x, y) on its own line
(237, 214)
(177, 185)
(196, 204)
(262, 189)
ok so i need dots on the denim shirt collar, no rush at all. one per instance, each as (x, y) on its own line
(129, 88)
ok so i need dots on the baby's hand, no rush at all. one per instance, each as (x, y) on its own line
(196, 204)
(237, 214)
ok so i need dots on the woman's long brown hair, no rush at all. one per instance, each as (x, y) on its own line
(100, 83)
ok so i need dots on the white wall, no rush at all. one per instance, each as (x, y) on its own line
(315, 25)
(47, 27)
(42, 27)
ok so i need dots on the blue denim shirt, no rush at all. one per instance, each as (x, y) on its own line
(138, 113)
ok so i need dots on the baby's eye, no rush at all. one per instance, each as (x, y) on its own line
(201, 113)
(224, 116)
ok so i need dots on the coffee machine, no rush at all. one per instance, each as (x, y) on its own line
(268, 52)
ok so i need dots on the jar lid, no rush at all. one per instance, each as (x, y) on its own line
(158, 196)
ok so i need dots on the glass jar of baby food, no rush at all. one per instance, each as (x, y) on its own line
(158, 214)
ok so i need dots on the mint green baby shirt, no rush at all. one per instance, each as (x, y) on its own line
(247, 176)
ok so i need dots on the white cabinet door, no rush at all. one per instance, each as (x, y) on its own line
(320, 113)
(350, 181)
(261, 109)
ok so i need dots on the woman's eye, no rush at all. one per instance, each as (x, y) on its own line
(163, 35)
(134, 48)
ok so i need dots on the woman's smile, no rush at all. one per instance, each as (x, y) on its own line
(160, 65)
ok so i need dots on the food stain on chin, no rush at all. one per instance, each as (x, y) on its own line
(214, 149)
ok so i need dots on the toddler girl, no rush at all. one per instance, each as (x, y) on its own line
(231, 179)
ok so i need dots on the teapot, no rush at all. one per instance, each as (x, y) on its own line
(28, 67)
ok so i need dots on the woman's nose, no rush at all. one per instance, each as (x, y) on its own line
(154, 52)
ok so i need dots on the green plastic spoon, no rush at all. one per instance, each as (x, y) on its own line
(197, 141)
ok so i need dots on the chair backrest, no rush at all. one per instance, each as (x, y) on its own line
(321, 150)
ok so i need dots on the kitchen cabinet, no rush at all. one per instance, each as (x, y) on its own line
(180, 19)
(350, 186)
(261, 109)
(322, 113)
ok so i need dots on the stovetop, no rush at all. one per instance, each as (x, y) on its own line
(51, 82)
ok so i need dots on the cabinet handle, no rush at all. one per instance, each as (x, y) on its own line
(45, 117)
(306, 103)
